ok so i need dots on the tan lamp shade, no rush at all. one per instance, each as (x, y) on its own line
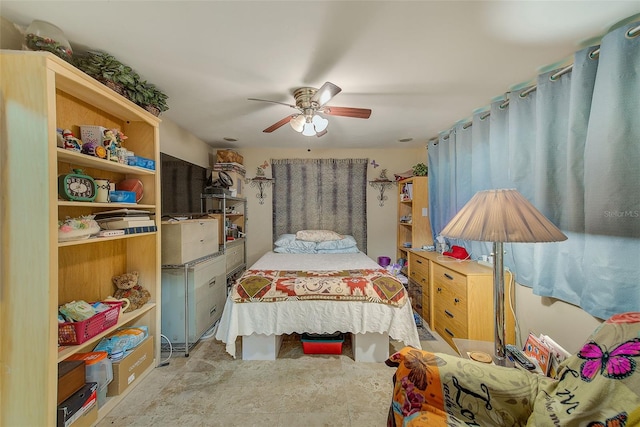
(502, 215)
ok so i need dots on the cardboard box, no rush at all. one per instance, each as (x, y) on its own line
(71, 378)
(238, 182)
(87, 419)
(129, 369)
(80, 403)
(228, 156)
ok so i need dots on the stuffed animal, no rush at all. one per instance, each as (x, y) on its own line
(129, 288)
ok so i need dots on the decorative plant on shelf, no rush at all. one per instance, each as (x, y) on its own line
(157, 100)
(148, 96)
(420, 169)
(107, 69)
(123, 79)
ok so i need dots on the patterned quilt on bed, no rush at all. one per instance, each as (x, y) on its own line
(372, 285)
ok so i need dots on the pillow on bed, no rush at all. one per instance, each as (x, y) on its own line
(290, 241)
(351, 250)
(317, 235)
(294, 250)
(346, 242)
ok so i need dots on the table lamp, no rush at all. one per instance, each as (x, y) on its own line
(500, 216)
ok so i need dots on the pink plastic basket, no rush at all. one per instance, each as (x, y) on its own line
(73, 333)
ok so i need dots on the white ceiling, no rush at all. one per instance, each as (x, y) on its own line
(419, 65)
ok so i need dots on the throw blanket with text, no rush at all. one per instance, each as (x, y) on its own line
(372, 285)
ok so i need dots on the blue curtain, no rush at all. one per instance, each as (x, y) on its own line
(571, 145)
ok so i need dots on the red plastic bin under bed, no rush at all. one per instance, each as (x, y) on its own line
(322, 344)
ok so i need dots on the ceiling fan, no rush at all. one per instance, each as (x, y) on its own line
(311, 103)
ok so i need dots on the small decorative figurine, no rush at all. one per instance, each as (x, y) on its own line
(110, 142)
(70, 141)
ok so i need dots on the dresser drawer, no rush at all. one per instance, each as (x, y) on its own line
(206, 273)
(207, 312)
(186, 241)
(445, 277)
(452, 298)
(235, 256)
(418, 266)
(450, 327)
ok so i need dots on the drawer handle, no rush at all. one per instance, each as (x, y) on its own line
(212, 282)
(449, 332)
(439, 289)
(418, 261)
(448, 276)
(213, 311)
(456, 300)
(448, 313)
(423, 279)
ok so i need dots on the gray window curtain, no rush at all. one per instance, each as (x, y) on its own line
(321, 194)
(571, 145)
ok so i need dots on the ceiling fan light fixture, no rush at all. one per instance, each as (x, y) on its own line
(319, 123)
(297, 123)
(309, 129)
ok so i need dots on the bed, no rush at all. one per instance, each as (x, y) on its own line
(262, 324)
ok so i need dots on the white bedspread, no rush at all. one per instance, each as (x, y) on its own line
(286, 317)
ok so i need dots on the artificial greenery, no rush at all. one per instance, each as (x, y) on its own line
(102, 66)
(105, 67)
(420, 169)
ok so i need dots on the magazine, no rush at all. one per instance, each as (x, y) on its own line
(557, 354)
(537, 350)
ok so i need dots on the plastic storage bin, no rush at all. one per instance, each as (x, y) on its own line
(141, 162)
(98, 369)
(122, 196)
(322, 344)
(73, 333)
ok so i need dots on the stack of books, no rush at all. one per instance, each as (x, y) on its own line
(130, 220)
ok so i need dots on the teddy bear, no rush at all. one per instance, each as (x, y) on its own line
(129, 288)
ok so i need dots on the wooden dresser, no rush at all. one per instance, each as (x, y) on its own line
(457, 297)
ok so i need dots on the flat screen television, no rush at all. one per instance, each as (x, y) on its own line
(182, 184)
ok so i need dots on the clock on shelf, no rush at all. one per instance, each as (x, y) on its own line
(77, 186)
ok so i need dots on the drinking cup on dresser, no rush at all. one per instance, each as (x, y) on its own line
(103, 186)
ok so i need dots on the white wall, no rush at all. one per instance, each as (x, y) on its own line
(567, 324)
(177, 142)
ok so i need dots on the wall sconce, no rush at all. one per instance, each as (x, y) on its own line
(381, 184)
(261, 182)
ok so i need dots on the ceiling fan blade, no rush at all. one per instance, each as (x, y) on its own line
(359, 113)
(325, 93)
(279, 124)
(274, 102)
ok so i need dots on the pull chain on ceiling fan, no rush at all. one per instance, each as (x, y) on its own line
(310, 102)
